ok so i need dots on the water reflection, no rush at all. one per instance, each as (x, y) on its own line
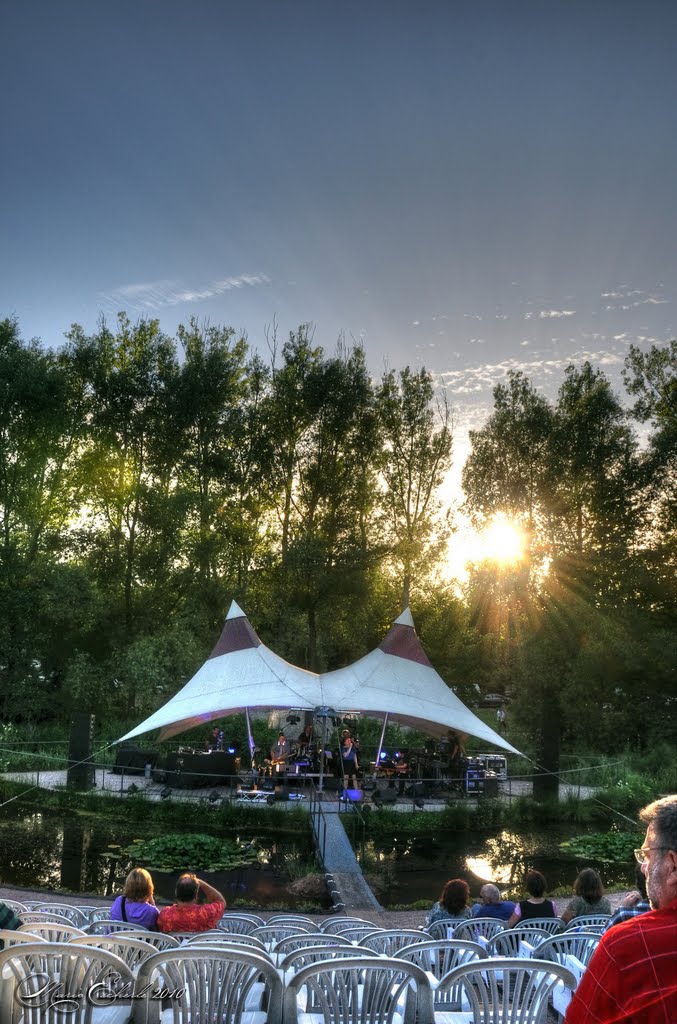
(419, 866)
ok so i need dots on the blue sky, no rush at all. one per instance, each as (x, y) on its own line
(472, 186)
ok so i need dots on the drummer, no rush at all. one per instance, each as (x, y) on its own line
(305, 740)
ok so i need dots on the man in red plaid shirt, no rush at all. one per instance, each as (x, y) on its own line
(632, 975)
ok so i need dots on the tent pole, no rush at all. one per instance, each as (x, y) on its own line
(250, 737)
(380, 742)
(320, 781)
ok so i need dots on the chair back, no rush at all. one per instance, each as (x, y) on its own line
(105, 925)
(270, 934)
(52, 931)
(387, 941)
(336, 925)
(587, 921)
(71, 913)
(30, 971)
(294, 942)
(290, 964)
(237, 925)
(507, 942)
(216, 984)
(484, 926)
(359, 990)
(543, 925)
(444, 929)
(356, 932)
(133, 951)
(507, 989)
(557, 947)
(98, 914)
(9, 937)
(311, 926)
(225, 938)
(158, 940)
(439, 956)
(39, 918)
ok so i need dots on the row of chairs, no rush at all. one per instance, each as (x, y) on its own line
(211, 981)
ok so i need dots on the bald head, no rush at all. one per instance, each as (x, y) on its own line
(490, 894)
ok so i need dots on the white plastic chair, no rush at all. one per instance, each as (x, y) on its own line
(507, 943)
(558, 947)
(9, 937)
(439, 956)
(270, 934)
(52, 931)
(311, 926)
(387, 941)
(71, 913)
(359, 990)
(44, 916)
(503, 991)
(356, 932)
(587, 921)
(86, 974)
(335, 925)
(106, 925)
(484, 926)
(226, 985)
(294, 942)
(240, 923)
(445, 929)
(225, 938)
(544, 925)
(293, 962)
(132, 950)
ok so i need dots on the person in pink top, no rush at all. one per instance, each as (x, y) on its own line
(187, 914)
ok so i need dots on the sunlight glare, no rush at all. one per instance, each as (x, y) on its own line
(502, 541)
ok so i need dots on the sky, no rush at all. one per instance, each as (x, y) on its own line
(470, 186)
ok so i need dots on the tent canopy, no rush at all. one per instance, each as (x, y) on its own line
(396, 679)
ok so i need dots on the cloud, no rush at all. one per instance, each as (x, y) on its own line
(153, 295)
(550, 314)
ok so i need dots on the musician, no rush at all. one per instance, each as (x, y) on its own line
(305, 740)
(214, 739)
(349, 759)
(280, 751)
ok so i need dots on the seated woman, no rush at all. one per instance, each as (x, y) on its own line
(536, 905)
(136, 905)
(453, 902)
(589, 898)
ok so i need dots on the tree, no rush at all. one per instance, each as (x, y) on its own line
(417, 454)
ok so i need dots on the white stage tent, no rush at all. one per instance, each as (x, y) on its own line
(242, 674)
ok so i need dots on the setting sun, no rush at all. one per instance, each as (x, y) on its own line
(501, 541)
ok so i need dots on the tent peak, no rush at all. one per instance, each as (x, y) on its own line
(405, 619)
(235, 612)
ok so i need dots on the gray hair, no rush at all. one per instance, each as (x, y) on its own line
(662, 814)
(491, 892)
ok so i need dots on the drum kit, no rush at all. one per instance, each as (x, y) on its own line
(303, 759)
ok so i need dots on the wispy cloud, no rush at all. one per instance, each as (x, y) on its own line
(550, 314)
(153, 295)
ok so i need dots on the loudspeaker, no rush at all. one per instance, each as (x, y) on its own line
(281, 792)
(80, 771)
(387, 795)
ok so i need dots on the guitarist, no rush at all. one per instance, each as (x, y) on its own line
(279, 753)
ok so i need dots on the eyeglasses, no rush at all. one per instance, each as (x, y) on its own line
(641, 855)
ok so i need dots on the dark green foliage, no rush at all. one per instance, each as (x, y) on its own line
(181, 851)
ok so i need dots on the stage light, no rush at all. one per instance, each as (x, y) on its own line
(231, 749)
(131, 790)
(214, 796)
(165, 793)
(384, 755)
(419, 803)
(293, 719)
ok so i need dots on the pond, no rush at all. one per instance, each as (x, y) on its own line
(418, 867)
(81, 853)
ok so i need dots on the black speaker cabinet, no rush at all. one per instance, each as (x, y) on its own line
(80, 772)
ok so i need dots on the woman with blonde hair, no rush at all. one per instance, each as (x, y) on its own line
(137, 904)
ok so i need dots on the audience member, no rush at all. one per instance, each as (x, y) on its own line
(492, 905)
(536, 905)
(453, 902)
(632, 976)
(634, 904)
(187, 914)
(8, 920)
(589, 898)
(137, 904)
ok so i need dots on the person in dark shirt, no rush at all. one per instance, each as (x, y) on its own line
(8, 920)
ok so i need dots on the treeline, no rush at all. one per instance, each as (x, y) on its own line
(145, 481)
